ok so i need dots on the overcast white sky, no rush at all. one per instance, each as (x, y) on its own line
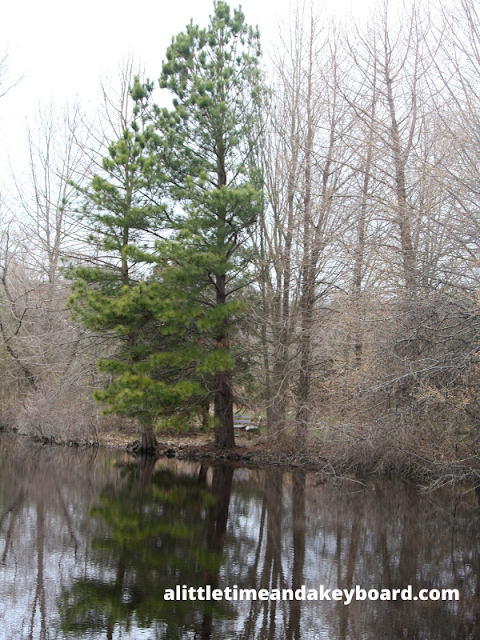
(62, 48)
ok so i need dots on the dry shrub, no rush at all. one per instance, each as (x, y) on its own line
(10, 399)
(59, 413)
(390, 445)
(417, 434)
(408, 401)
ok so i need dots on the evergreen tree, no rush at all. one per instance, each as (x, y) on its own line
(123, 212)
(175, 316)
(207, 150)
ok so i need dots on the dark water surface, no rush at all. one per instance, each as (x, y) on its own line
(91, 539)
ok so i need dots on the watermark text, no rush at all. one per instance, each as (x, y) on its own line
(358, 593)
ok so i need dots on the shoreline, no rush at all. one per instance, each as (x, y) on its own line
(241, 454)
(256, 451)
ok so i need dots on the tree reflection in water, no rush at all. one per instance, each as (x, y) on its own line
(162, 530)
(154, 524)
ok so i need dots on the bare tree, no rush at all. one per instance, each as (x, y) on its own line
(324, 217)
(45, 196)
(281, 159)
(51, 357)
(391, 59)
(455, 89)
(307, 169)
(5, 84)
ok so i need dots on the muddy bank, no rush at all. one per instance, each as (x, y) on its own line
(248, 451)
(245, 455)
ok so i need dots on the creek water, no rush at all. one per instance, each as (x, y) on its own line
(91, 542)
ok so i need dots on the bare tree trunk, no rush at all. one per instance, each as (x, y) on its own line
(281, 377)
(400, 157)
(308, 270)
(359, 258)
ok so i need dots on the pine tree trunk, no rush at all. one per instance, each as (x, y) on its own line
(224, 434)
(149, 441)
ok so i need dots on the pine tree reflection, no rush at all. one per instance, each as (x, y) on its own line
(162, 529)
(217, 527)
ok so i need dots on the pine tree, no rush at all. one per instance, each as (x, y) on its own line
(123, 212)
(207, 149)
(175, 305)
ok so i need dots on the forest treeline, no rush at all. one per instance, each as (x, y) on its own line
(295, 236)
